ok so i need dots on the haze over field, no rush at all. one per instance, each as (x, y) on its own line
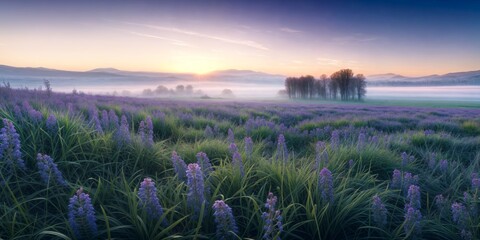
(133, 47)
(244, 83)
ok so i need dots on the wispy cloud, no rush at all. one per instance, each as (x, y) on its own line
(247, 43)
(328, 61)
(172, 41)
(355, 38)
(337, 62)
(289, 30)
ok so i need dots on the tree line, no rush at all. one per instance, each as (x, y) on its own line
(342, 85)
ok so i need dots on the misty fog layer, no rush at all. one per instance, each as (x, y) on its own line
(243, 90)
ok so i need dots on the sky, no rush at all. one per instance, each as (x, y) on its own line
(411, 38)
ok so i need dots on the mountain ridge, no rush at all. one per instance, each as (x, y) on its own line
(229, 75)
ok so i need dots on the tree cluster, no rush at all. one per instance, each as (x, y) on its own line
(342, 85)
(180, 90)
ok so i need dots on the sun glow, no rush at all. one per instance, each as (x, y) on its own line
(194, 64)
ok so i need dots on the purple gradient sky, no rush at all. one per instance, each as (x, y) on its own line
(287, 37)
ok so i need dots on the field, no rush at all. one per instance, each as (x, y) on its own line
(334, 171)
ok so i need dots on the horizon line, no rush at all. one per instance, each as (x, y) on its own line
(229, 69)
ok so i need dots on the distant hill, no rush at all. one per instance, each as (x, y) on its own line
(449, 79)
(244, 76)
(33, 77)
(231, 75)
(8, 71)
(141, 74)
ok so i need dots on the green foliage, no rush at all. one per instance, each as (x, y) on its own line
(471, 128)
(111, 174)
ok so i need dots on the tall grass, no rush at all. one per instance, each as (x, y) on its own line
(111, 173)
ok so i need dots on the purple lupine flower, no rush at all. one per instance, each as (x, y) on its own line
(17, 112)
(361, 140)
(248, 147)
(204, 163)
(412, 225)
(149, 132)
(97, 124)
(196, 187)
(474, 175)
(396, 179)
(466, 235)
(379, 212)
(81, 215)
(351, 163)
(476, 183)
(413, 197)
(471, 204)
(105, 121)
(113, 120)
(409, 179)
(179, 166)
(51, 124)
(141, 130)
(460, 215)
(321, 154)
(405, 159)
(94, 119)
(47, 168)
(216, 130)
(443, 166)
(33, 114)
(335, 139)
(282, 152)
(226, 225)
(232, 148)
(208, 133)
(374, 140)
(10, 148)
(237, 163)
(123, 134)
(325, 185)
(230, 136)
(428, 132)
(149, 200)
(272, 219)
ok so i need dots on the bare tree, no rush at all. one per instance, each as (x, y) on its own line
(48, 87)
(160, 90)
(189, 89)
(341, 83)
(360, 86)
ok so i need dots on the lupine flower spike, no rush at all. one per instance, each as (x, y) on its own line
(149, 200)
(81, 216)
(412, 224)
(272, 219)
(196, 187)
(325, 185)
(49, 171)
(10, 149)
(179, 166)
(248, 147)
(51, 124)
(231, 136)
(226, 225)
(379, 212)
(282, 152)
(237, 163)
